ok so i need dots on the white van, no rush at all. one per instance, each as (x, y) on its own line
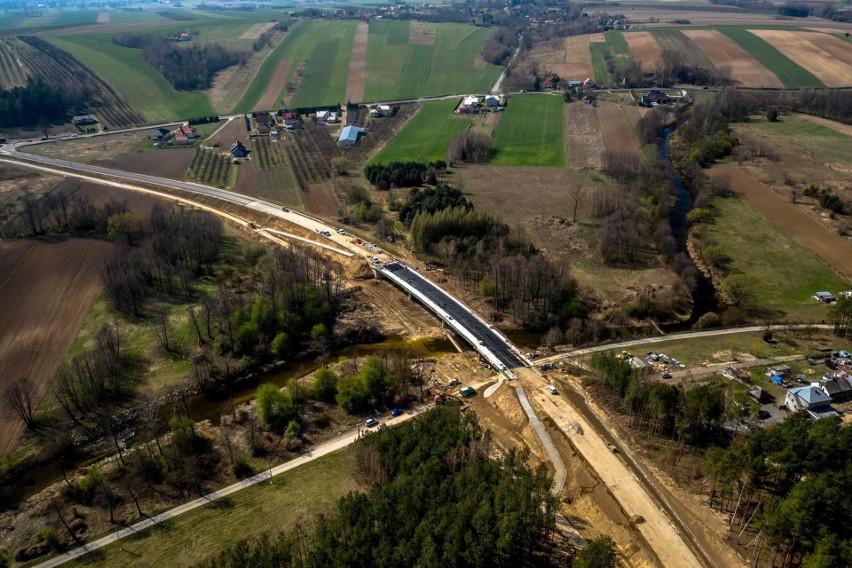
(551, 389)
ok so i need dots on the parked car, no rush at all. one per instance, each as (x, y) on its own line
(397, 412)
(666, 375)
(467, 392)
(763, 415)
(285, 210)
(371, 422)
(551, 389)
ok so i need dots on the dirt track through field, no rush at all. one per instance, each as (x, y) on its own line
(806, 231)
(616, 129)
(46, 291)
(577, 62)
(827, 57)
(270, 99)
(257, 30)
(722, 51)
(358, 65)
(833, 124)
(645, 48)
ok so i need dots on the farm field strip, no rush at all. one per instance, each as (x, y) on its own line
(426, 137)
(722, 51)
(575, 64)
(326, 75)
(142, 86)
(618, 50)
(358, 65)
(832, 124)
(788, 72)
(531, 132)
(12, 71)
(269, 82)
(678, 42)
(616, 129)
(399, 68)
(583, 136)
(830, 62)
(645, 48)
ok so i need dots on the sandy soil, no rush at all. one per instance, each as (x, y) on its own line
(257, 30)
(616, 129)
(46, 291)
(269, 100)
(420, 34)
(818, 53)
(803, 229)
(358, 65)
(645, 48)
(583, 136)
(722, 51)
(833, 124)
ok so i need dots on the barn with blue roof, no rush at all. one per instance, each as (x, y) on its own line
(350, 135)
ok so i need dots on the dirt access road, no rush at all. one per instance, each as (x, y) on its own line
(667, 542)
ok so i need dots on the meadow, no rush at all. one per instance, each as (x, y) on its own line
(410, 60)
(427, 136)
(531, 133)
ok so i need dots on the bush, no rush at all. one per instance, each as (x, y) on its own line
(274, 406)
(325, 385)
(241, 467)
(708, 320)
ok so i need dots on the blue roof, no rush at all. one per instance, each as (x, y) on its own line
(810, 394)
(350, 133)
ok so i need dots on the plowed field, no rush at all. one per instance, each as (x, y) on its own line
(645, 48)
(575, 64)
(358, 65)
(722, 51)
(616, 129)
(319, 199)
(583, 137)
(46, 290)
(827, 57)
(270, 100)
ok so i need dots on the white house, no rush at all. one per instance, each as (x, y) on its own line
(806, 398)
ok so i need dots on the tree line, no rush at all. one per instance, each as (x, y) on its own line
(434, 498)
(40, 102)
(500, 46)
(431, 200)
(403, 174)
(186, 68)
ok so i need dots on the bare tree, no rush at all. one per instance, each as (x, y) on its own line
(19, 398)
(577, 194)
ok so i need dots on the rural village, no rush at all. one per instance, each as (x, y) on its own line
(426, 284)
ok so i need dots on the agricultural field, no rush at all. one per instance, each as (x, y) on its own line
(411, 59)
(426, 137)
(45, 294)
(678, 42)
(570, 57)
(613, 53)
(210, 167)
(788, 72)
(273, 175)
(145, 89)
(358, 65)
(789, 274)
(645, 48)
(25, 57)
(616, 128)
(583, 136)
(328, 47)
(531, 132)
(827, 57)
(723, 52)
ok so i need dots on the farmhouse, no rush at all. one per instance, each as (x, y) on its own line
(380, 111)
(806, 398)
(837, 386)
(160, 134)
(326, 116)
(492, 101)
(84, 120)
(470, 104)
(350, 135)
(264, 122)
(290, 119)
(654, 98)
(589, 83)
(186, 132)
(238, 150)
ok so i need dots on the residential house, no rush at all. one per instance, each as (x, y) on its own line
(238, 150)
(550, 82)
(782, 371)
(492, 101)
(84, 120)
(186, 131)
(289, 118)
(836, 386)
(470, 104)
(654, 98)
(264, 122)
(806, 398)
(588, 83)
(350, 135)
(380, 111)
(160, 134)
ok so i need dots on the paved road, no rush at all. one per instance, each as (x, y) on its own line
(337, 443)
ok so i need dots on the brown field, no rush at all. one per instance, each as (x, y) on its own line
(827, 57)
(358, 65)
(574, 60)
(246, 180)
(616, 129)
(583, 136)
(798, 225)
(163, 163)
(46, 292)
(634, 113)
(420, 34)
(722, 51)
(234, 130)
(269, 100)
(833, 124)
(141, 204)
(257, 30)
(677, 41)
(320, 200)
(597, 38)
(645, 48)
(87, 150)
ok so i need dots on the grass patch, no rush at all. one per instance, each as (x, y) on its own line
(145, 89)
(616, 46)
(427, 135)
(791, 74)
(453, 65)
(325, 78)
(294, 497)
(531, 133)
(828, 144)
(788, 275)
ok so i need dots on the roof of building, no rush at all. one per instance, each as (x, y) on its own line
(470, 100)
(822, 412)
(810, 394)
(835, 386)
(350, 133)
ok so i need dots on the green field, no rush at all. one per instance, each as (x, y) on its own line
(784, 68)
(292, 498)
(142, 86)
(531, 132)
(830, 145)
(617, 47)
(427, 136)
(396, 69)
(787, 274)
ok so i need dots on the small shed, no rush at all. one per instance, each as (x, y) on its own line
(780, 370)
(760, 395)
(825, 297)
